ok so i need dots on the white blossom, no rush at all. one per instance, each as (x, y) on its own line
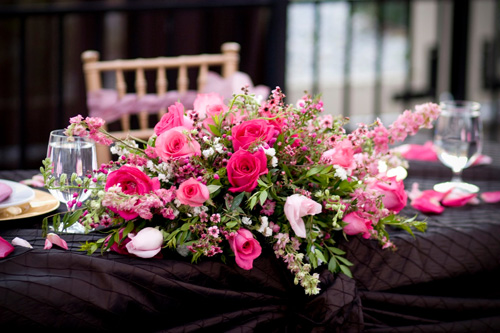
(340, 172)
(246, 220)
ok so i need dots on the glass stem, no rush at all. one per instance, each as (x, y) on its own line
(457, 176)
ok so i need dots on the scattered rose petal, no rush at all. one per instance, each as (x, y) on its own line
(490, 197)
(55, 239)
(457, 199)
(5, 248)
(482, 160)
(429, 202)
(21, 242)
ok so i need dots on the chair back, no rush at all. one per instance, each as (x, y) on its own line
(116, 105)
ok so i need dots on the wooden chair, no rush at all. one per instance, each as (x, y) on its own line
(94, 69)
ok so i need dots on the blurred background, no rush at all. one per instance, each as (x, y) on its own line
(368, 58)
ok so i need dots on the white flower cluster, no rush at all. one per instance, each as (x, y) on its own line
(272, 152)
(215, 147)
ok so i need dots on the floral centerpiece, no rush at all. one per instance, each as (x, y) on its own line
(222, 180)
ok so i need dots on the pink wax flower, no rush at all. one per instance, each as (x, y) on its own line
(244, 168)
(132, 181)
(204, 101)
(342, 154)
(245, 248)
(248, 132)
(298, 206)
(5, 248)
(146, 243)
(175, 143)
(192, 193)
(173, 118)
(393, 192)
(357, 224)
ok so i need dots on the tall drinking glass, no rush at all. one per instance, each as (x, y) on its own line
(457, 139)
(68, 156)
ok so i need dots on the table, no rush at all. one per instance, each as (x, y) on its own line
(446, 279)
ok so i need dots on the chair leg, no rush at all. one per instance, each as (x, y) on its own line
(103, 154)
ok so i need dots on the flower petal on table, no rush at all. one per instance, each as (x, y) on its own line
(5, 248)
(55, 239)
(429, 201)
(457, 199)
(21, 242)
(491, 197)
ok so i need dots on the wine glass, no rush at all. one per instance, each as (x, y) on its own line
(68, 156)
(457, 139)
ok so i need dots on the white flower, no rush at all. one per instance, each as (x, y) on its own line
(264, 223)
(219, 148)
(246, 220)
(267, 232)
(208, 152)
(270, 151)
(274, 162)
(340, 172)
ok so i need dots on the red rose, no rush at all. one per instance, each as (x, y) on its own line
(245, 248)
(131, 181)
(244, 168)
(174, 144)
(256, 130)
(192, 193)
(173, 118)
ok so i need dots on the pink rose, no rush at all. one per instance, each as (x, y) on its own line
(173, 118)
(192, 193)
(146, 243)
(356, 224)
(256, 130)
(5, 248)
(244, 168)
(245, 248)
(131, 181)
(298, 206)
(342, 155)
(214, 110)
(175, 144)
(204, 101)
(393, 191)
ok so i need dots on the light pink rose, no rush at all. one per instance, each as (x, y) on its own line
(248, 132)
(192, 193)
(357, 224)
(214, 110)
(146, 243)
(175, 144)
(131, 181)
(5, 248)
(342, 155)
(244, 168)
(204, 101)
(245, 248)
(298, 206)
(393, 191)
(173, 118)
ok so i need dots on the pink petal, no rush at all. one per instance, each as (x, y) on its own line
(55, 239)
(424, 152)
(48, 244)
(483, 159)
(5, 248)
(457, 199)
(491, 197)
(21, 242)
(429, 202)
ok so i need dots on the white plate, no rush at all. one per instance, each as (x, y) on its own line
(20, 194)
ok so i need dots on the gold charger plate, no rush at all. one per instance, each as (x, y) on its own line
(42, 203)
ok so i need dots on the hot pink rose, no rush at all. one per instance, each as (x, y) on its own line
(204, 101)
(393, 191)
(298, 206)
(356, 224)
(244, 168)
(175, 143)
(256, 130)
(173, 118)
(192, 193)
(131, 181)
(146, 243)
(245, 248)
(342, 155)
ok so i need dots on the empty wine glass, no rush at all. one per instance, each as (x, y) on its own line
(76, 155)
(457, 139)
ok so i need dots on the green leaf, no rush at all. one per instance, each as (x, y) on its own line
(345, 261)
(237, 200)
(346, 270)
(336, 250)
(313, 171)
(320, 255)
(214, 130)
(213, 188)
(232, 224)
(128, 228)
(332, 265)
(263, 197)
(261, 182)
(185, 226)
(253, 201)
